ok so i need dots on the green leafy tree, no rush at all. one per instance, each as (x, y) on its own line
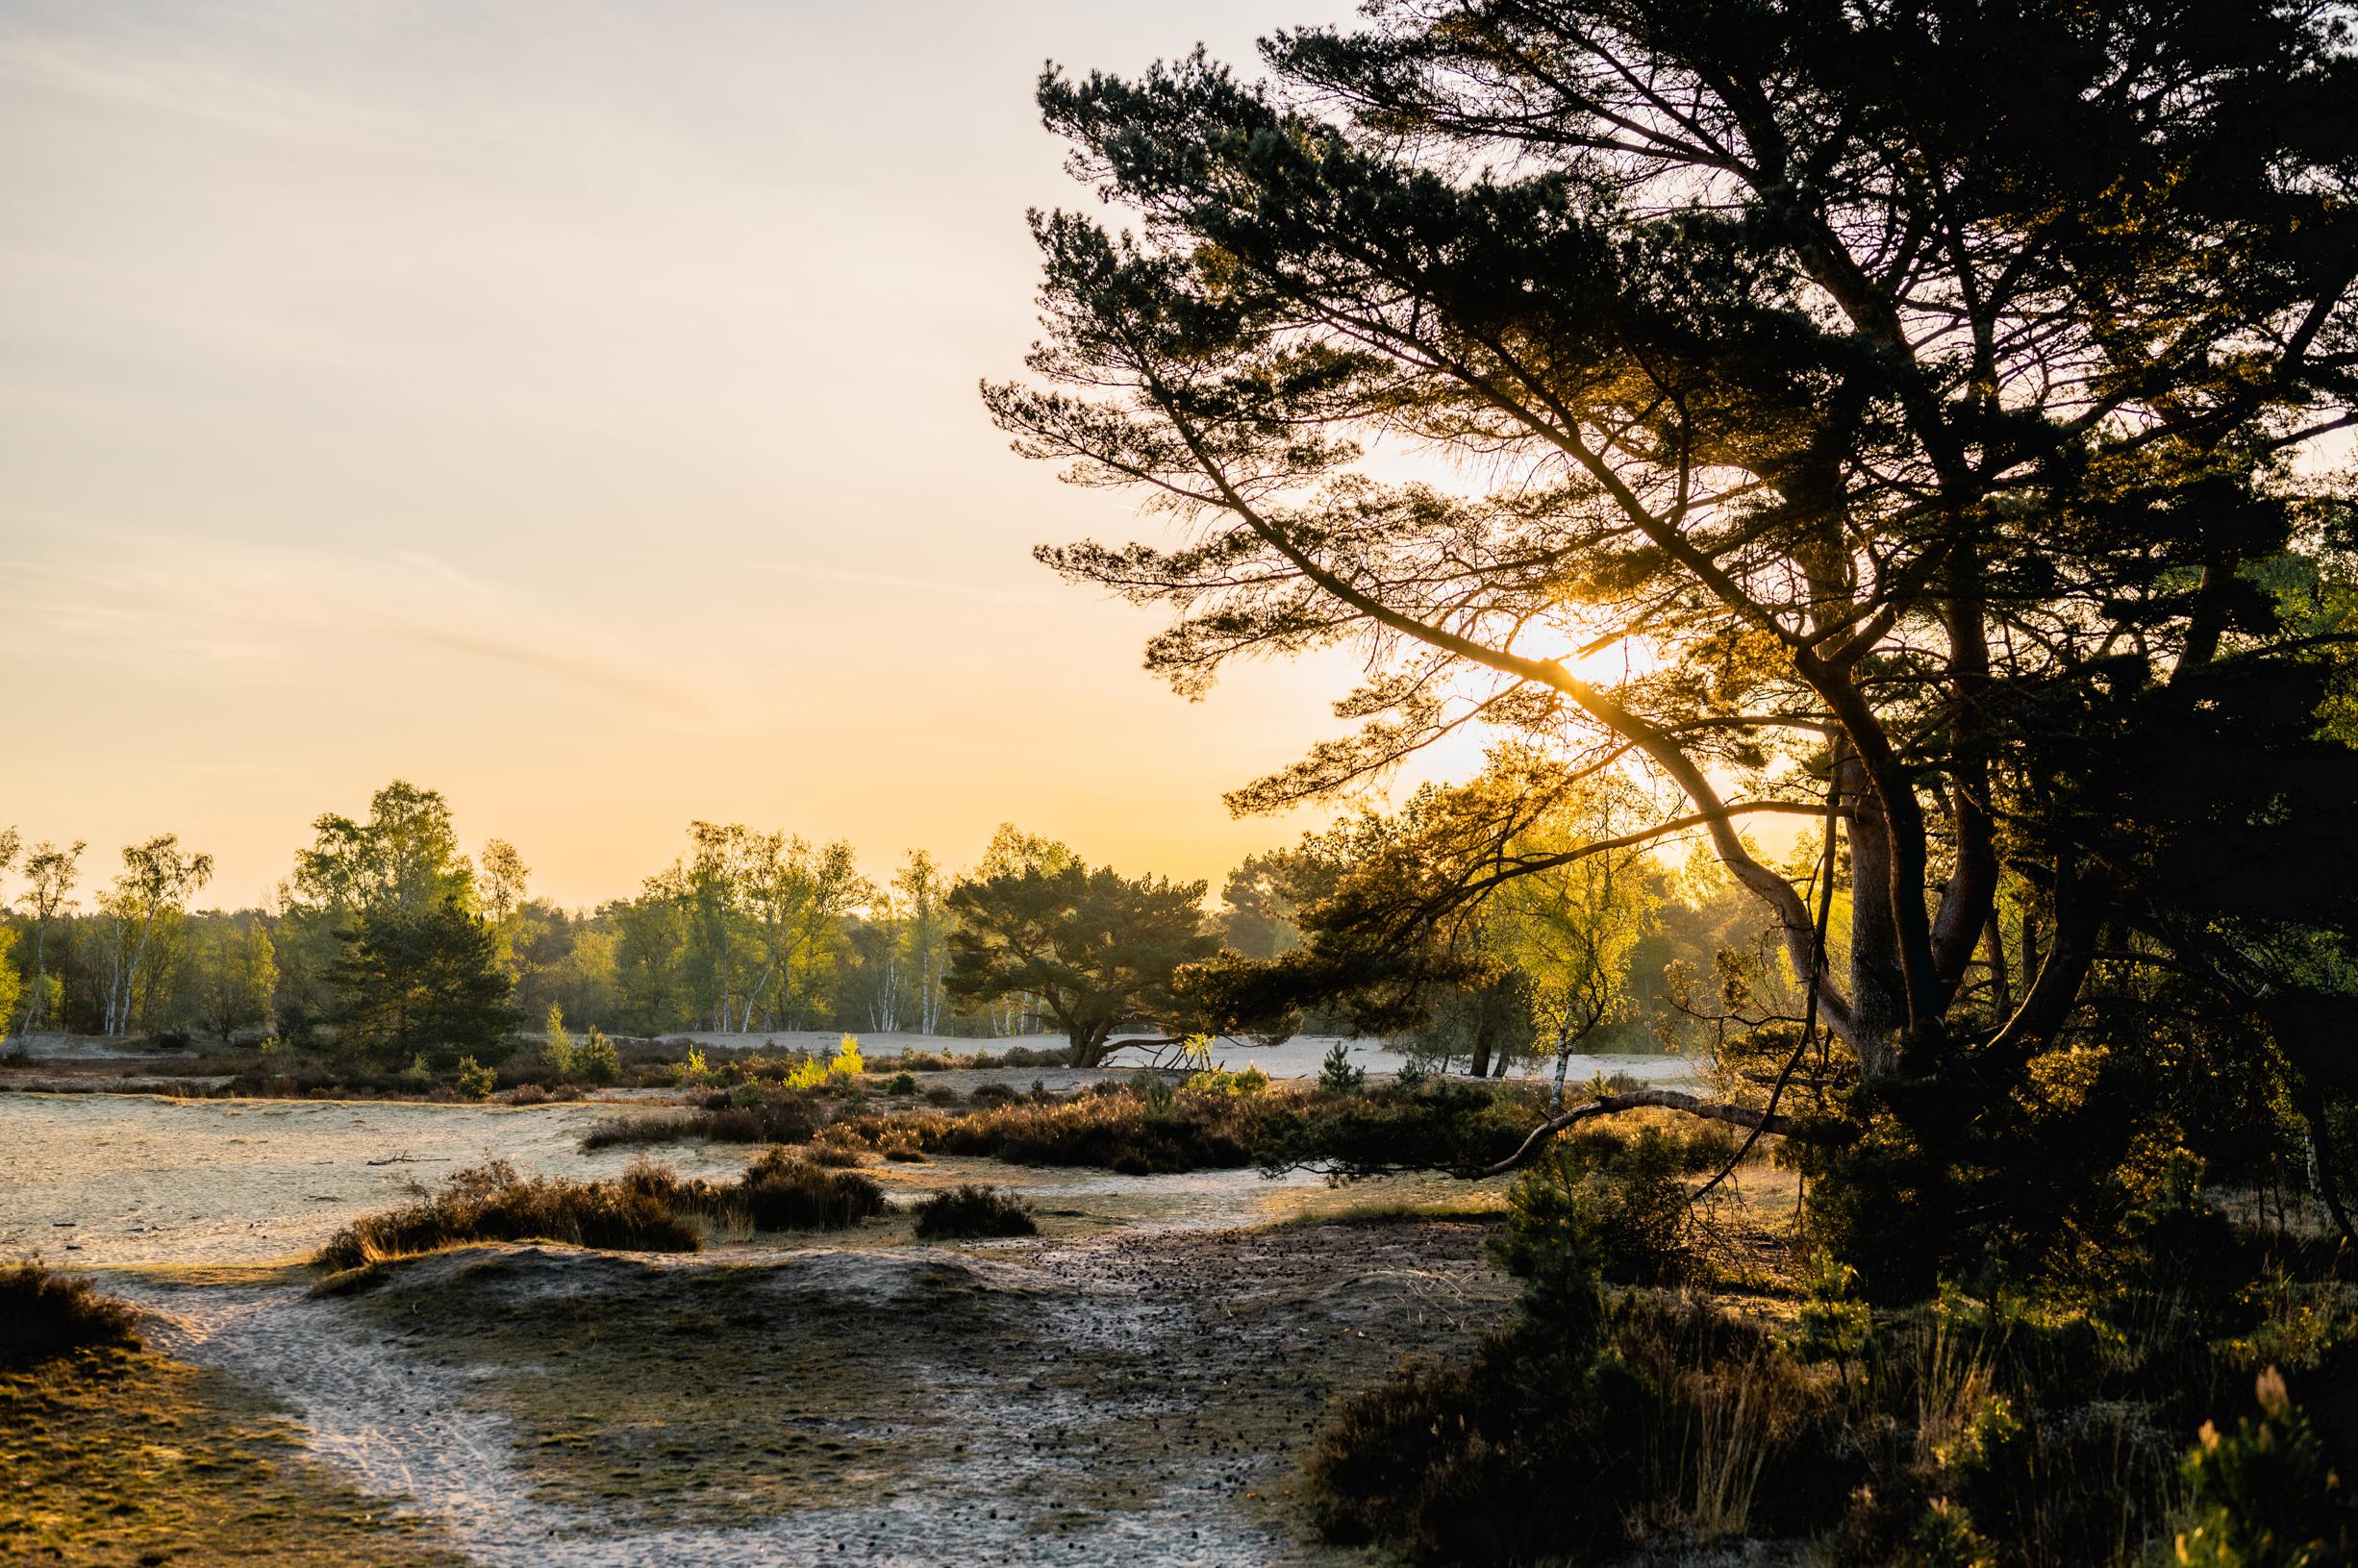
(1573, 918)
(12, 983)
(403, 856)
(1097, 948)
(401, 859)
(412, 983)
(650, 960)
(238, 977)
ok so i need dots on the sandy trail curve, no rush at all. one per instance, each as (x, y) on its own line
(405, 1430)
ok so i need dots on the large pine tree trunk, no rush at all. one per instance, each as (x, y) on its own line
(1878, 981)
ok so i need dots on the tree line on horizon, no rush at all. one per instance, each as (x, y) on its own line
(384, 929)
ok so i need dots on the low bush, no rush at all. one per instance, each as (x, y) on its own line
(2007, 1428)
(1022, 1055)
(1468, 1462)
(597, 1060)
(1219, 1080)
(836, 1145)
(475, 1080)
(779, 1192)
(972, 1210)
(1695, 1146)
(920, 1061)
(45, 1315)
(1618, 1206)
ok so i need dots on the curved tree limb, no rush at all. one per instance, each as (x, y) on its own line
(1612, 1104)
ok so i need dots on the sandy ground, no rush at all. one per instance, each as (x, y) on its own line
(112, 1181)
(1124, 1400)
(91, 1179)
(1133, 1386)
(87, 1047)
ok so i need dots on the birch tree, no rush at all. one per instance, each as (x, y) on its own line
(919, 889)
(144, 908)
(49, 876)
(1571, 925)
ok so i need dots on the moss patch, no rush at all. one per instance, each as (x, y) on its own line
(129, 1457)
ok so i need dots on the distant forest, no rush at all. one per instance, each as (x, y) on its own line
(756, 931)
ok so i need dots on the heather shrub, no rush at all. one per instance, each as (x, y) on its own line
(45, 1315)
(1429, 1125)
(763, 1120)
(972, 1210)
(649, 1207)
(779, 1192)
(1119, 1129)
(494, 1202)
(836, 1145)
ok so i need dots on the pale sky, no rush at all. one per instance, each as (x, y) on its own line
(571, 407)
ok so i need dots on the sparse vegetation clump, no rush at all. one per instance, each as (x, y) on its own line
(2018, 1427)
(494, 1202)
(837, 1146)
(1424, 1124)
(1119, 1126)
(767, 1119)
(970, 1211)
(44, 1315)
(649, 1207)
